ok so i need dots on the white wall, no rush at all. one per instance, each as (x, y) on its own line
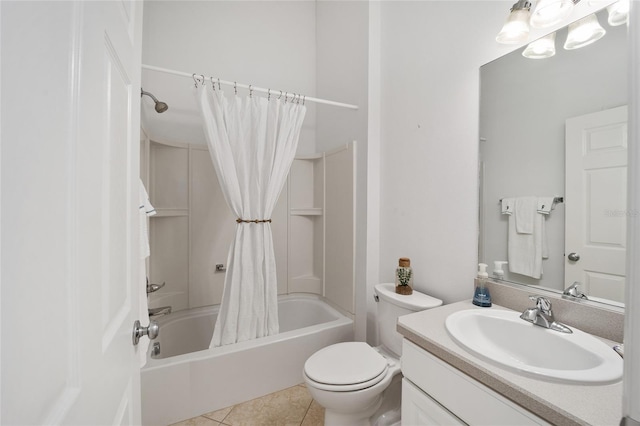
(430, 56)
(268, 44)
(342, 39)
(631, 391)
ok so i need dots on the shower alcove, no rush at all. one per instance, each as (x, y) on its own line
(313, 226)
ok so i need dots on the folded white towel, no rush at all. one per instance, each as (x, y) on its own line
(526, 251)
(525, 210)
(507, 205)
(545, 204)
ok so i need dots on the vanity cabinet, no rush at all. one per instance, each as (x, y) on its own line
(435, 393)
(418, 408)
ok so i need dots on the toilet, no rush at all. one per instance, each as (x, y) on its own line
(358, 384)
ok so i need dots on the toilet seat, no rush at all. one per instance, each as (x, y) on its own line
(345, 367)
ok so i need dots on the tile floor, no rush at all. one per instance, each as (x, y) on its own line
(289, 407)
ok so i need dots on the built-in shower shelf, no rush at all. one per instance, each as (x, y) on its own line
(312, 211)
(307, 284)
(170, 212)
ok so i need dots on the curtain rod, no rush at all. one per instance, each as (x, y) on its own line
(246, 86)
(555, 200)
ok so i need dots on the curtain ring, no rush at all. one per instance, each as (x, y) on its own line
(286, 95)
(280, 95)
(235, 87)
(195, 81)
(250, 92)
(213, 86)
(218, 84)
(203, 81)
(269, 94)
(303, 99)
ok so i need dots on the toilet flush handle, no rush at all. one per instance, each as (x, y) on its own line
(375, 297)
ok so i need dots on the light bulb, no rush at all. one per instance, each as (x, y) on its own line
(550, 12)
(516, 29)
(544, 47)
(584, 32)
(618, 13)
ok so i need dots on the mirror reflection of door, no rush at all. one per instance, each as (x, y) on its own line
(596, 202)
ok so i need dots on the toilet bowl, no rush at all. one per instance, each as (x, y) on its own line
(351, 380)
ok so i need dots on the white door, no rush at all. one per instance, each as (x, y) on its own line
(596, 202)
(69, 175)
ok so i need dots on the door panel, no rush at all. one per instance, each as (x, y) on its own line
(596, 202)
(69, 211)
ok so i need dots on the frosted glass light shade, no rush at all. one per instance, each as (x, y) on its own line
(550, 12)
(544, 47)
(516, 29)
(618, 13)
(584, 32)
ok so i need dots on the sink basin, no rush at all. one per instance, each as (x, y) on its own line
(501, 337)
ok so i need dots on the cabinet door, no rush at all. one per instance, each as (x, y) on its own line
(469, 399)
(419, 409)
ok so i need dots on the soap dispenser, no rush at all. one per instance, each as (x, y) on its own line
(481, 296)
(498, 272)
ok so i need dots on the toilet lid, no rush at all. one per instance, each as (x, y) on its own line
(345, 364)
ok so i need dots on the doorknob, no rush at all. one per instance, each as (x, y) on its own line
(574, 257)
(153, 330)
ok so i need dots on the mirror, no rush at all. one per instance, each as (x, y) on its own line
(525, 107)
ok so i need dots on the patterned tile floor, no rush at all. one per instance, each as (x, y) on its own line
(289, 407)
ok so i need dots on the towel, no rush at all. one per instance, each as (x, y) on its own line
(507, 205)
(526, 249)
(525, 210)
(546, 204)
(145, 210)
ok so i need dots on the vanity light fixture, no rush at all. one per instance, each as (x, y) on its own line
(544, 47)
(618, 13)
(516, 29)
(584, 32)
(551, 12)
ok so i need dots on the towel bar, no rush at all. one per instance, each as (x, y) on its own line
(555, 200)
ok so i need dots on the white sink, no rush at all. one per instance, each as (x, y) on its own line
(500, 336)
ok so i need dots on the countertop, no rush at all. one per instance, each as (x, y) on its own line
(557, 403)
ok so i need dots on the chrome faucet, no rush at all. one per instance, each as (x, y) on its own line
(542, 315)
(572, 292)
(156, 312)
(153, 287)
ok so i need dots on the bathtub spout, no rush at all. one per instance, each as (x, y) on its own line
(156, 312)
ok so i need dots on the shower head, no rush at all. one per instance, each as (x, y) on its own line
(160, 106)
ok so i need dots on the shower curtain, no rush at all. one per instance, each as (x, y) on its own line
(252, 142)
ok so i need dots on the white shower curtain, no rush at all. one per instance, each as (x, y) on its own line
(252, 142)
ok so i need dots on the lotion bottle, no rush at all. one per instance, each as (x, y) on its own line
(481, 296)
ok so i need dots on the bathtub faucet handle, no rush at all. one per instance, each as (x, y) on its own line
(154, 287)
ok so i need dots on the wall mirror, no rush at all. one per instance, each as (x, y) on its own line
(543, 122)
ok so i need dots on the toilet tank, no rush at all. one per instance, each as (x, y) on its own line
(391, 305)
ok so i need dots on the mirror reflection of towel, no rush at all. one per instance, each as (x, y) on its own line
(507, 205)
(525, 210)
(546, 204)
(527, 240)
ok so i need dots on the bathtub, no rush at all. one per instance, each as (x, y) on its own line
(188, 379)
